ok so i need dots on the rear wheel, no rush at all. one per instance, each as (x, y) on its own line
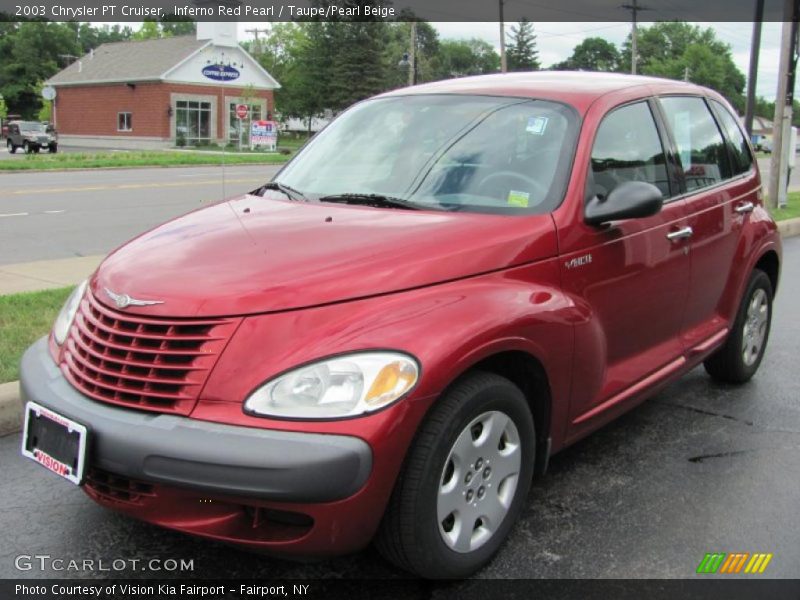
(53, 148)
(11, 147)
(739, 358)
(464, 482)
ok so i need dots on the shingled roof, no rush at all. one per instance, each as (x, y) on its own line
(129, 61)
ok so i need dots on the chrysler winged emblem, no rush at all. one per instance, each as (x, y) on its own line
(124, 301)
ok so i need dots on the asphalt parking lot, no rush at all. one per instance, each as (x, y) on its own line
(699, 468)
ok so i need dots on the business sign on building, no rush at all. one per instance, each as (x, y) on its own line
(221, 72)
(264, 134)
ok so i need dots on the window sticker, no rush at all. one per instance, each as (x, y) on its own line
(536, 125)
(516, 198)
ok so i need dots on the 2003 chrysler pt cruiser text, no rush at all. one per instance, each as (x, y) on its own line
(448, 284)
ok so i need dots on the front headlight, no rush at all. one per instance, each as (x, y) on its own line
(344, 386)
(67, 314)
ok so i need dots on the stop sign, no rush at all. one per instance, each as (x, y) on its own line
(242, 110)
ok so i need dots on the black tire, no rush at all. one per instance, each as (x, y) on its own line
(11, 147)
(27, 147)
(53, 148)
(410, 535)
(729, 363)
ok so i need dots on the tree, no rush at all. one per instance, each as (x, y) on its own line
(148, 31)
(459, 58)
(172, 25)
(398, 43)
(359, 66)
(305, 74)
(683, 51)
(3, 108)
(522, 54)
(592, 54)
(31, 52)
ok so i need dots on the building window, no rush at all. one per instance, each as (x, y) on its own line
(234, 122)
(124, 122)
(193, 121)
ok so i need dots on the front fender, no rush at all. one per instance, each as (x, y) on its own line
(448, 328)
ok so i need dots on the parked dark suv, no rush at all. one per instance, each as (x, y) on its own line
(31, 136)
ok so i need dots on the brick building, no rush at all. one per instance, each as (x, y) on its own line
(150, 93)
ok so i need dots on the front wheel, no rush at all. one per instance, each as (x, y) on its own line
(464, 482)
(53, 148)
(739, 358)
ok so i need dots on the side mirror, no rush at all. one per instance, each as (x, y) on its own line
(629, 200)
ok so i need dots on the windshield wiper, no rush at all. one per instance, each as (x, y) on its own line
(378, 200)
(286, 190)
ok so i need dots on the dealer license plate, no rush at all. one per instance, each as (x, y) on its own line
(55, 442)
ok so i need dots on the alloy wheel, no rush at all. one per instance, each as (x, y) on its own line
(755, 327)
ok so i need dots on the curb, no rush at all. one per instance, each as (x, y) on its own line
(11, 407)
(789, 227)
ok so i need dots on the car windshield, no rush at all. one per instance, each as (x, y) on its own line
(31, 126)
(446, 152)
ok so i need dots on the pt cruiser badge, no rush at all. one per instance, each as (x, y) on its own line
(124, 301)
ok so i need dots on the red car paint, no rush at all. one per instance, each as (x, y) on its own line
(610, 314)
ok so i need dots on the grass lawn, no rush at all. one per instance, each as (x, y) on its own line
(24, 318)
(792, 209)
(80, 160)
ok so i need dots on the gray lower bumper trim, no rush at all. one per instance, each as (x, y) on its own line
(212, 457)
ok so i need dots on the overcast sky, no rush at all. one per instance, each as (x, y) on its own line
(556, 40)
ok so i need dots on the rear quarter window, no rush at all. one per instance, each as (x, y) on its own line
(739, 148)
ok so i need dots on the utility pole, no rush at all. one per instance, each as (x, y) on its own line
(782, 122)
(752, 76)
(257, 42)
(412, 56)
(634, 8)
(503, 60)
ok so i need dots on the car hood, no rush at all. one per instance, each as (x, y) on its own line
(252, 255)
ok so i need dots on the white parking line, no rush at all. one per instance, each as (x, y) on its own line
(22, 214)
(54, 212)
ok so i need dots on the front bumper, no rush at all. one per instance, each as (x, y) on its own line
(212, 458)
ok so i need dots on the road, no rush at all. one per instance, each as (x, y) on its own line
(19, 154)
(701, 467)
(80, 213)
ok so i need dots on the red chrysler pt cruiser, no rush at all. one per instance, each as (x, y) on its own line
(447, 285)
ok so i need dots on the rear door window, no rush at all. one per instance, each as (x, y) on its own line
(701, 148)
(628, 148)
(740, 149)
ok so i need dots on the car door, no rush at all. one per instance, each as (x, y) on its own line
(721, 185)
(628, 277)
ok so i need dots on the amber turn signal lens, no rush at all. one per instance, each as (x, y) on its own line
(393, 380)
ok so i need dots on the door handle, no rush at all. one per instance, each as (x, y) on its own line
(747, 207)
(680, 234)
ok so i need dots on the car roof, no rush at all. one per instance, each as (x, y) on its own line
(578, 88)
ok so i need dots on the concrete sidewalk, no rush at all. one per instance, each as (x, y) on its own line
(46, 274)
